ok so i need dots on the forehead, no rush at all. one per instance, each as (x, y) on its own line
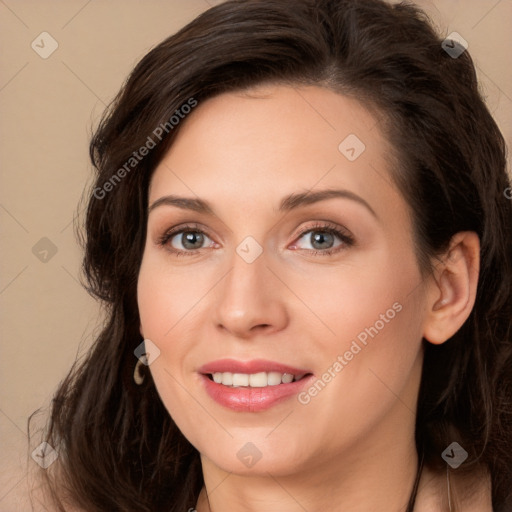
(256, 146)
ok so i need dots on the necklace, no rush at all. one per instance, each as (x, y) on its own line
(412, 499)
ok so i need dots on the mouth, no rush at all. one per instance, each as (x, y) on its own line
(252, 386)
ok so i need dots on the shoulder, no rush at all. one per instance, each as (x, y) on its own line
(444, 491)
(473, 492)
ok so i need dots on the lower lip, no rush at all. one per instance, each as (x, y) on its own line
(247, 399)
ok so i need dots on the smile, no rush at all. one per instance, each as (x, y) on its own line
(252, 386)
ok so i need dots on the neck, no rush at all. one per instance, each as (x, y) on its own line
(376, 474)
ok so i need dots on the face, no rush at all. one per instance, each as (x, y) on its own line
(253, 276)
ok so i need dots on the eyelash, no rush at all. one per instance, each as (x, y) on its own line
(348, 240)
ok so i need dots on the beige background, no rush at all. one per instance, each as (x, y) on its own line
(48, 108)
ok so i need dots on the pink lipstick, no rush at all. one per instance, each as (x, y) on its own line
(252, 386)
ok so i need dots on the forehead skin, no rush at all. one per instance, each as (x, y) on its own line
(249, 149)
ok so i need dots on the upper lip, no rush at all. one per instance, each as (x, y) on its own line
(249, 367)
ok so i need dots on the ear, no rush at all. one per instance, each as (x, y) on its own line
(452, 288)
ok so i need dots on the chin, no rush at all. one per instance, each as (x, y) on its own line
(255, 455)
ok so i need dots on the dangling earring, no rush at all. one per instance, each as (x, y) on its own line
(138, 376)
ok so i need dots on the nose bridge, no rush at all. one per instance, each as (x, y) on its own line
(248, 263)
(246, 283)
(249, 295)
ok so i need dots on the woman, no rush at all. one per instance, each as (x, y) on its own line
(300, 230)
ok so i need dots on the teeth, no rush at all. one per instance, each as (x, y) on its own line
(254, 380)
(287, 378)
(257, 380)
(274, 378)
(240, 379)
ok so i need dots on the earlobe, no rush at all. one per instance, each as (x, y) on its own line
(452, 288)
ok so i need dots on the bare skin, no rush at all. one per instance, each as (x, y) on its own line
(351, 446)
(468, 494)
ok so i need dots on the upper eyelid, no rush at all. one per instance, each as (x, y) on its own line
(325, 226)
(318, 225)
(179, 229)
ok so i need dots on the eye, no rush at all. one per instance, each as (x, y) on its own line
(185, 240)
(322, 239)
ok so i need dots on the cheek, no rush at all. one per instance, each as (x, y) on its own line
(372, 316)
(165, 301)
(375, 297)
(366, 372)
(167, 296)
(376, 316)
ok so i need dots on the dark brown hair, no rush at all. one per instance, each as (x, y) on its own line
(119, 448)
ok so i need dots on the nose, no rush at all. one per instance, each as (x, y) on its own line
(250, 300)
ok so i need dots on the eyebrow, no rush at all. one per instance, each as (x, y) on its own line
(288, 203)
